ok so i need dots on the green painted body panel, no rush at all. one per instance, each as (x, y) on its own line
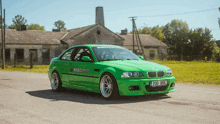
(89, 79)
(124, 84)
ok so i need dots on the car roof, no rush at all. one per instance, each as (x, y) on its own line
(94, 45)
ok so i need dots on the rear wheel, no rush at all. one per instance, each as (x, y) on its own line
(55, 82)
(108, 86)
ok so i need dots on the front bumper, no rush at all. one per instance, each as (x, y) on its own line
(124, 84)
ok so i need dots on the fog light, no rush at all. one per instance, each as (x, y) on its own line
(133, 88)
(172, 85)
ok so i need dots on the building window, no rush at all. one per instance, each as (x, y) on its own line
(151, 54)
(98, 32)
(20, 53)
(34, 54)
(46, 54)
(7, 54)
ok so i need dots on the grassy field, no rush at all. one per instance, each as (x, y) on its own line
(26, 68)
(195, 72)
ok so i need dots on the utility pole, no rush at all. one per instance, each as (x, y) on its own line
(138, 40)
(133, 33)
(142, 49)
(3, 46)
(132, 19)
(219, 18)
(4, 42)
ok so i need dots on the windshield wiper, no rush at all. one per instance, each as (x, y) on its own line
(110, 59)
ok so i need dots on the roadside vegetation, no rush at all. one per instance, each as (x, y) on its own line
(26, 68)
(194, 72)
(185, 43)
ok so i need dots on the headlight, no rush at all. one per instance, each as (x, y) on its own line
(169, 72)
(131, 74)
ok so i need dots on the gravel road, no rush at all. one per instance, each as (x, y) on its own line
(27, 98)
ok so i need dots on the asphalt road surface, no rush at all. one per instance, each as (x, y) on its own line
(27, 98)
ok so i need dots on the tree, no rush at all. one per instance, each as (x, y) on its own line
(11, 26)
(146, 30)
(60, 25)
(219, 18)
(201, 43)
(219, 22)
(193, 44)
(17, 22)
(35, 27)
(155, 31)
(176, 36)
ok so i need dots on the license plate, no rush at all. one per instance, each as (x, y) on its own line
(158, 83)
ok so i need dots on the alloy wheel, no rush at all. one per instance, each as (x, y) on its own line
(54, 81)
(106, 86)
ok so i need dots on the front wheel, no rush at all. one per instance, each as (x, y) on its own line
(108, 86)
(55, 82)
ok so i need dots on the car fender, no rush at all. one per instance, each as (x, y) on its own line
(57, 70)
(109, 70)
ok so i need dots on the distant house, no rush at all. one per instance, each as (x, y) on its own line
(153, 48)
(218, 43)
(42, 43)
(92, 34)
(49, 44)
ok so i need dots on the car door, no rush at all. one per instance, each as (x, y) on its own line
(64, 64)
(82, 73)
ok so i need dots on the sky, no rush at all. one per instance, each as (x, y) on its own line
(79, 13)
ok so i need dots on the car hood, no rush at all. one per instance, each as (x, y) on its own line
(134, 65)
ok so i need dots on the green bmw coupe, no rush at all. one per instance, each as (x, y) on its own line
(110, 70)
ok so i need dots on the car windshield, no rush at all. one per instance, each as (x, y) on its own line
(111, 53)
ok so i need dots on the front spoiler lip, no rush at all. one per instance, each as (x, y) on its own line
(124, 85)
(148, 93)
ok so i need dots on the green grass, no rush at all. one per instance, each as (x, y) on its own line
(195, 72)
(26, 68)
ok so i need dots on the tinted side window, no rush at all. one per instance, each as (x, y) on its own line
(82, 52)
(67, 55)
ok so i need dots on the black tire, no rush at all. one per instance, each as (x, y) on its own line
(112, 87)
(55, 82)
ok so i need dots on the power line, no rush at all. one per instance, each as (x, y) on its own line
(180, 13)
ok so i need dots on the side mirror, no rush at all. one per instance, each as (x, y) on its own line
(141, 57)
(86, 58)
